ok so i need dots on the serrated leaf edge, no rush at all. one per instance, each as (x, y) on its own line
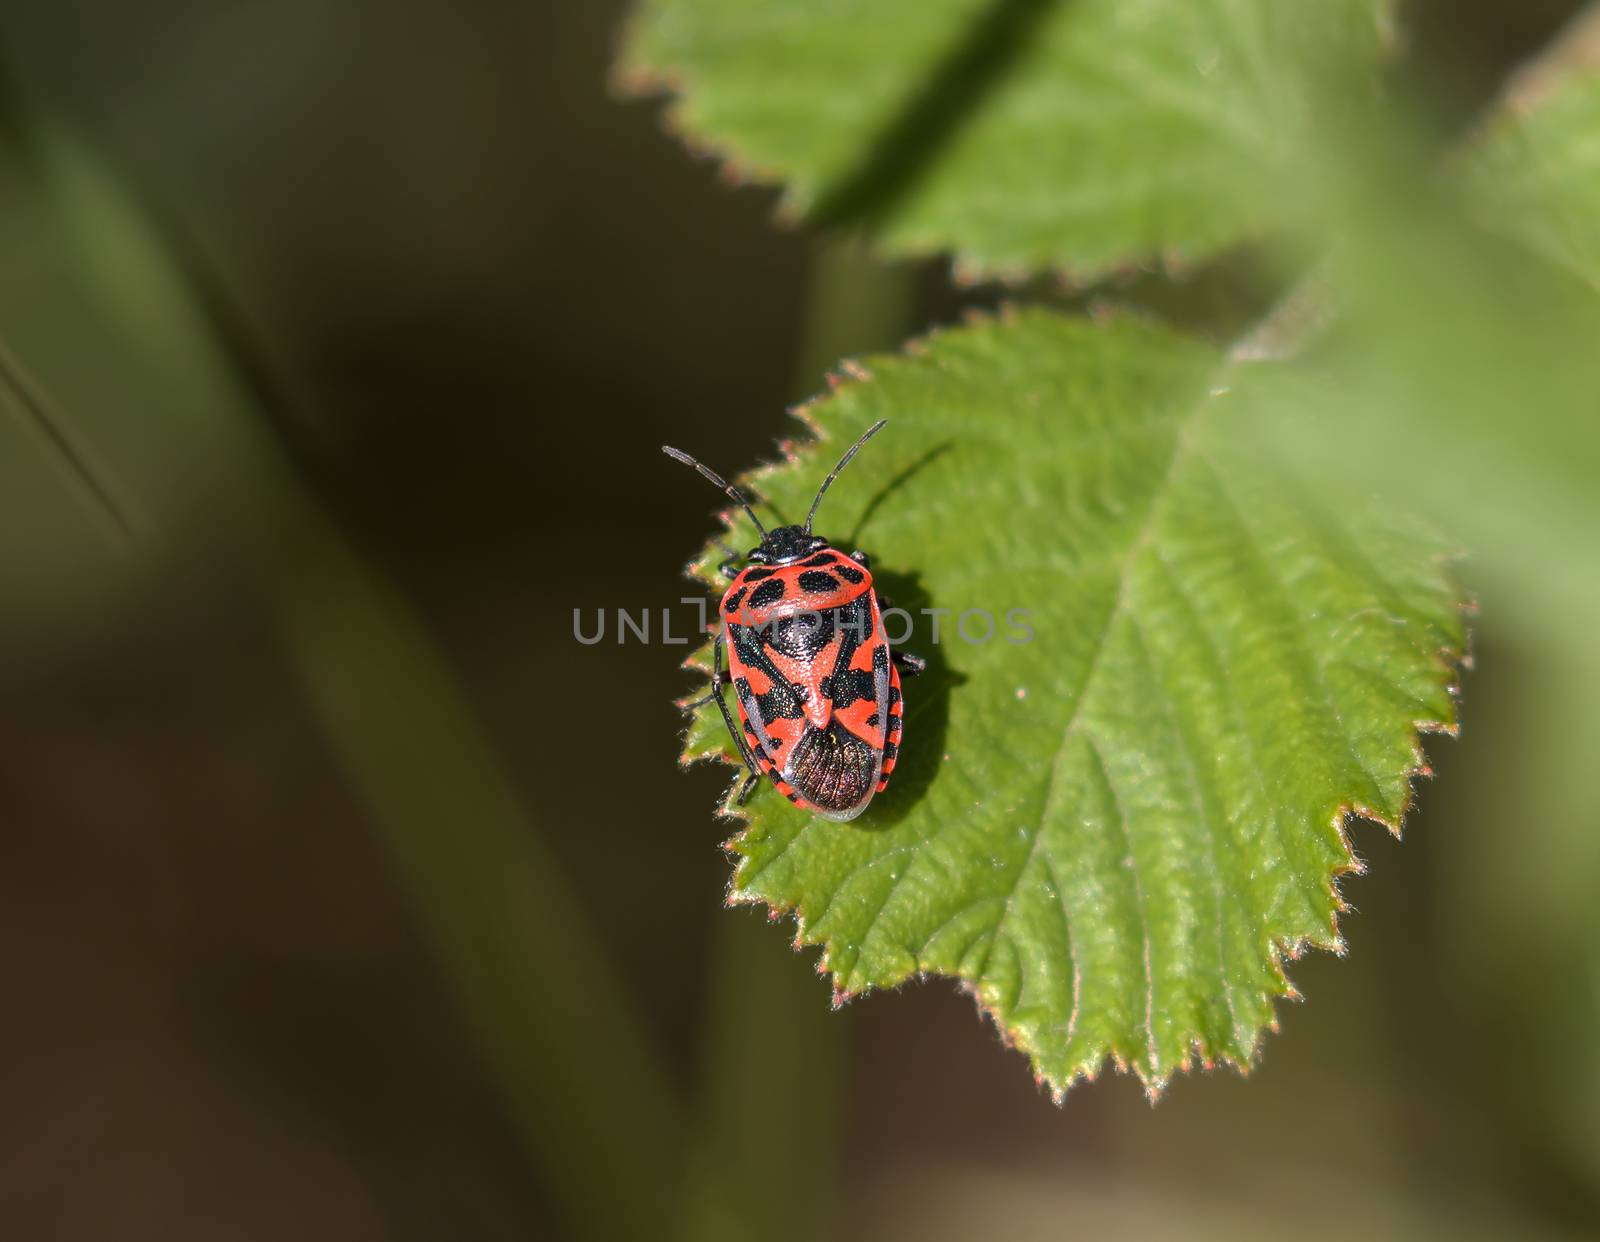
(633, 79)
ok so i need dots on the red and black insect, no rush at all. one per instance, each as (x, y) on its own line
(817, 686)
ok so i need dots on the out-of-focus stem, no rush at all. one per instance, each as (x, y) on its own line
(580, 1080)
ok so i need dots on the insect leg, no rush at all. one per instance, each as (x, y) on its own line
(725, 565)
(718, 680)
(908, 664)
(862, 559)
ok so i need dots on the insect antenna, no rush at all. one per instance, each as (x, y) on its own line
(733, 492)
(843, 462)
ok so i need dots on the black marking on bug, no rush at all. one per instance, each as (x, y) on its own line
(767, 593)
(894, 725)
(872, 721)
(849, 685)
(853, 623)
(756, 575)
(801, 636)
(890, 750)
(894, 695)
(731, 604)
(780, 701)
(821, 558)
(851, 575)
(814, 580)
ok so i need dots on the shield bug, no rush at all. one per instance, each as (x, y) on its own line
(815, 681)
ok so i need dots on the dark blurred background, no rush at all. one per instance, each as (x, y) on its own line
(469, 292)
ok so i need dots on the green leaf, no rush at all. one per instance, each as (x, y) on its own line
(1021, 134)
(1536, 172)
(1113, 832)
(1459, 370)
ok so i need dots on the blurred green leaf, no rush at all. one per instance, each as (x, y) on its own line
(1020, 134)
(1459, 370)
(125, 434)
(1535, 169)
(1113, 827)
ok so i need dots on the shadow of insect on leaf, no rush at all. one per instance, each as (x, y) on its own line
(853, 540)
(895, 162)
